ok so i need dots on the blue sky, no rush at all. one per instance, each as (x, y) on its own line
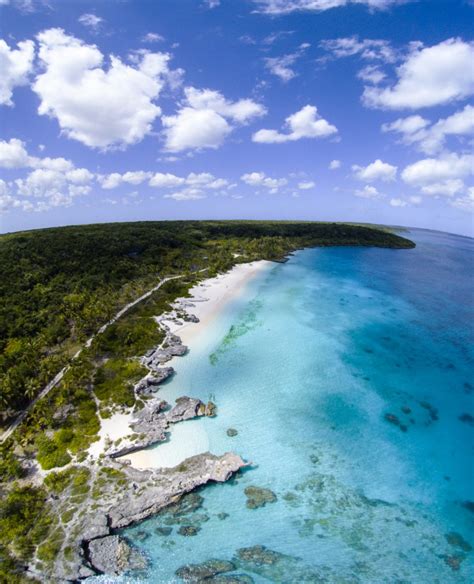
(288, 109)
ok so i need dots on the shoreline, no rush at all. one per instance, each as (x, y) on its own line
(209, 297)
(207, 301)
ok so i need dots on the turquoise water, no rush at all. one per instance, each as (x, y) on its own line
(305, 364)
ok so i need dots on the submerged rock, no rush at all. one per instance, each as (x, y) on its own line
(189, 530)
(259, 554)
(205, 571)
(186, 504)
(163, 531)
(467, 419)
(231, 432)
(393, 419)
(222, 515)
(454, 561)
(431, 410)
(259, 497)
(457, 540)
(112, 555)
(232, 579)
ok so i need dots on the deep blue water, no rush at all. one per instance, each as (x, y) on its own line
(306, 364)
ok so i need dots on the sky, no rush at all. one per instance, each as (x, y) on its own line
(339, 110)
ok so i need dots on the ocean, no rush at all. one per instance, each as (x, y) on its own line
(348, 376)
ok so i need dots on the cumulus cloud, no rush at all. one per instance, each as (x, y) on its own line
(277, 7)
(115, 179)
(430, 171)
(53, 187)
(15, 67)
(91, 21)
(443, 176)
(334, 164)
(260, 179)
(305, 123)
(52, 182)
(430, 138)
(398, 203)
(368, 192)
(189, 194)
(205, 119)
(13, 154)
(375, 171)
(306, 185)
(429, 76)
(99, 106)
(194, 186)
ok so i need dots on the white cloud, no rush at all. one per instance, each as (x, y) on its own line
(115, 179)
(369, 49)
(431, 138)
(91, 21)
(188, 194)
(165, 180)
(306, 185)
(465, 203)
(13, 154)
(368, 192)
(430, 76)
(398, 203)
(100, 107)
(447, 188)
(415, 199)
(276, 7)
(15, 67)
(212, 3)
(334, 164)
(260, 179)
(153, 37)
(282, 66)
(305, 123)
(440, 176)
(371, 74)
(205, 119)
(377, 170)
(54, 187)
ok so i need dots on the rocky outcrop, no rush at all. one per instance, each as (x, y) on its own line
(148, 384)
(152, 423)
(112, 555)
(170, 484)
(186, 408)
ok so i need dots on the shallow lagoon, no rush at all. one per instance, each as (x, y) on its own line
(306, 364)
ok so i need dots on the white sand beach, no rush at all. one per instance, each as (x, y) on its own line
(113, 428)
(210, 296)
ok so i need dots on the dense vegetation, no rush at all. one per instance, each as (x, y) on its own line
(57, 287)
